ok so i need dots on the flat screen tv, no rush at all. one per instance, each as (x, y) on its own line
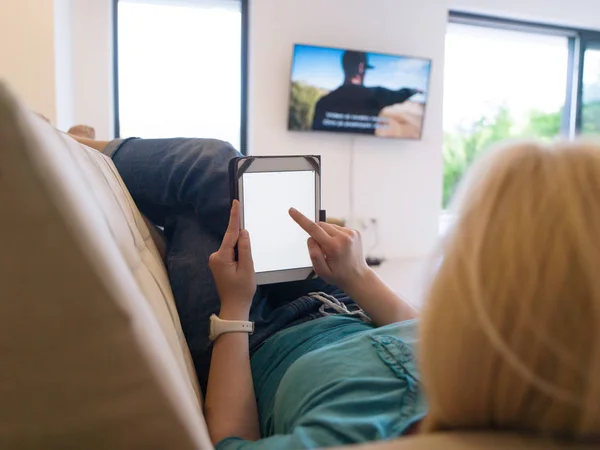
(352, 91)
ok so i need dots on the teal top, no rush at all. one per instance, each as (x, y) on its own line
(334, 381)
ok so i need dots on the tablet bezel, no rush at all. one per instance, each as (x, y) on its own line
(266, 164)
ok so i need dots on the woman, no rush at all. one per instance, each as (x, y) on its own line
(509, 335)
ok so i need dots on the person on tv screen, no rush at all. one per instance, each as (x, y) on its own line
(355, 99)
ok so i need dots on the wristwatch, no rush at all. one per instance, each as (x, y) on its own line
(219, 326)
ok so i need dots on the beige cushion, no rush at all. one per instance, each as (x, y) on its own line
(91, 349)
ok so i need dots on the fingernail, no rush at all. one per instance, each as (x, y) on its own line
(293, 209)
(244, 233)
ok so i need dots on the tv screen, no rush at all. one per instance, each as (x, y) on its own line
(352, 91)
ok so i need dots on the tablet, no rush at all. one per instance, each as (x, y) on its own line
(267, 187)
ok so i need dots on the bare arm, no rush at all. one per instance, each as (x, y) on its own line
(230, 406)
(379, 301)
(337, 257)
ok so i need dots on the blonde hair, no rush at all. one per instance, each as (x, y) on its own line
(511, 328)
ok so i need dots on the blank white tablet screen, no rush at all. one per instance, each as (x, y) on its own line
(278, 243)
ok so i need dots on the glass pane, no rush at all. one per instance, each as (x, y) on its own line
(180, 69)
(590, 118)
(498, 84)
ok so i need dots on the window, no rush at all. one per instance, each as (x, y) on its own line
(508, 79)
(180, 69)
(499, 84)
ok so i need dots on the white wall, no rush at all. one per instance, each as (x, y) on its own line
(64, 64)
(396, 182)
(93, 65)
(27, 52)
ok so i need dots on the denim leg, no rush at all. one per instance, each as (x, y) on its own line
(183, 185)
(189, 246)
(167, 177)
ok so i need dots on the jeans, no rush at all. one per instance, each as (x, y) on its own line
(182, 185)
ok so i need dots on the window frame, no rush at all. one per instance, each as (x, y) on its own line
(244, 75)
(579, 40)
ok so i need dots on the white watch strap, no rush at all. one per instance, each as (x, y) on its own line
(219, 326)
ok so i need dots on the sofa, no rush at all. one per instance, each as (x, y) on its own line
(92, 355)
